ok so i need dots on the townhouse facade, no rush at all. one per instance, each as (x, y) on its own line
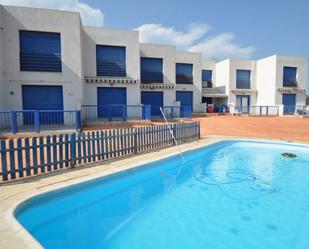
(50, 61)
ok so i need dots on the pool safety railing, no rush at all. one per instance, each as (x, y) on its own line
(30, 156)
(172, 134)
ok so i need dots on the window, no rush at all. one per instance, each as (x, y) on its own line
(289, 76)
(184, 73)
(151, 70)
(207, 78)
(111, 61)
(243, 79)
(40, 51)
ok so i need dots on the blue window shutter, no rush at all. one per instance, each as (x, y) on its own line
(151, 70)
(184, 73)
(111, 60)
(207, 78)
(40, 51)
(206, 75)
(289, 76)
(243, 79)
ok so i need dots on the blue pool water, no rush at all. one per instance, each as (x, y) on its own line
(229, 195)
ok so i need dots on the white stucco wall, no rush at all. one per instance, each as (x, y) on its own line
(68, 25)
(168, 54)
(223, 75)
(115, 37)
(210, 65)
(196, 87)
(270, 78)
(242, 65)
(301, 65)
(266, 81)
(78, 54)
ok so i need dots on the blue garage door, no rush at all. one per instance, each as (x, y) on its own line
(43, 98)
(112, 102)
(155, 99)
(289, 102)
(186, 99)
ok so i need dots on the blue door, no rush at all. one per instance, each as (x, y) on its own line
(43, 98)
(289, 102)
(243, 103)
(112, 102)
(186, 102)
(155, 99)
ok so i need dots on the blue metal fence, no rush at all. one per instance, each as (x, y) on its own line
(132, 112)
(20, 121)
(38, 155)
(115, 112)
(296, 110)
(24, 121)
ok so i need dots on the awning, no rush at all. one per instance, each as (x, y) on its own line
(219, 96)
(157, 86)
(113, 80)
(291, 90)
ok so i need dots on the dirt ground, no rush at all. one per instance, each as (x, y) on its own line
(285, 128)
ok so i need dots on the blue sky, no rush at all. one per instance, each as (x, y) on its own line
(219, 29)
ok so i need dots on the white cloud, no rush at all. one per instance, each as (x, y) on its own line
(222, 46)
(195, 39)
(157, 33)
(89, 15)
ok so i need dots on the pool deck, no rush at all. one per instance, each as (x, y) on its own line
(14, 236)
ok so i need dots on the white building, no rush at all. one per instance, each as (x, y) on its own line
(49, 60)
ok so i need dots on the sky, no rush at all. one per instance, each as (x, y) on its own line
(218, 29)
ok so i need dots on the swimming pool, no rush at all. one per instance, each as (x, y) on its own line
(232, 194)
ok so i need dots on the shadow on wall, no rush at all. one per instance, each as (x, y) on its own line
(71, 77)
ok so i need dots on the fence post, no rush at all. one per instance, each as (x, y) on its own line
(109, 113)
(146, 109)
(135, 140)
(124, 113)
(73, 150)
(78, 120)
(37, 121)
(13, 122)
(266, 110)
